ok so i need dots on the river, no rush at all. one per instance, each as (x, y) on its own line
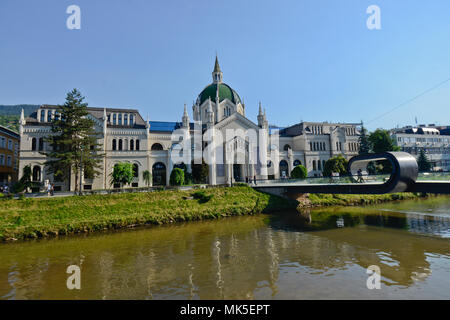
(321, 254)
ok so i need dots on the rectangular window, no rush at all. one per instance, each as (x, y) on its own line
(10, 144)
(42, 115)
(120, 119)
(125, 120)
(114, 119)
(9, 161)
(2, 159)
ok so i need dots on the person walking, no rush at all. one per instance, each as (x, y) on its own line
(49, 189)
(360, 176)
(254, 179)
(52, 190)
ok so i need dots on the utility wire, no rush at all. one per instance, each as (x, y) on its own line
(410, 100)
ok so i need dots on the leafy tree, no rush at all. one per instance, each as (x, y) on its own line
(177, 177)
(381, 141)
(299, 172)
(147, 177)
(337, 164)
(200, 172)
(364, 143)
(423, 162)
(122, 173)
(74, 141)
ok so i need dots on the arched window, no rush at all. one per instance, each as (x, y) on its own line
(114, 119)
(42, 115)
(56, 115)
(120, 144)
(33, 144)
(131, 119)
(49, 115)
(323, 164)
(138, 144)
(310, 146)
(159, 174)
(125, 119)
(319, 165)
(114, 144)
(286, 147)
(131, 144)
(36, 173)
(136, 170)
(156, 147)
(120, 119)
(297, 163)
(41, 144)
(314, 165)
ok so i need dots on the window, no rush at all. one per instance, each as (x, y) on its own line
(33, 144)
(3, 143)
(319, 165)
(120, 119)
(131, 119)
(136, 170)
(36, 173)
(9, 161)
(137, 145)
(314, 164)
(10, 145)
(297, 163)
(56, 115)
(114, 119)
(41, 144)
(49, 115)
(42, 115)
(125, 120)
(120, 144)
(156, 146)
(114, 144)
(131, 144)
(2, 159)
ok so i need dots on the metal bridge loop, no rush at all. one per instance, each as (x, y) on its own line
(404, 169)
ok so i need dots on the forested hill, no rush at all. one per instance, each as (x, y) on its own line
(10, 115)
(14, 110)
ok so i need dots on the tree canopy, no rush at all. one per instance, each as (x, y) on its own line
(299, 172)
(381, 141)
(177, 177)
(423, 162)
(74, 141)
(122, 173)
(337, 164)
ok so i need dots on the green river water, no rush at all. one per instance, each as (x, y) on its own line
(321, 254)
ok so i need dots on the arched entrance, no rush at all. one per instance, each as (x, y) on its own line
(284, 169)
(159, 174)
(237, 173)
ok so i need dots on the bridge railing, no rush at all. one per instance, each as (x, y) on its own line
(346, 179)
(433, 176)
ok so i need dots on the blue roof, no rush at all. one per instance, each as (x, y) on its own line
(163, 126)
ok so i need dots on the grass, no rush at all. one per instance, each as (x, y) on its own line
(321, 200)
(34, 218)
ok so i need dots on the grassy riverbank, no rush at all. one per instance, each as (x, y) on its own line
(33, 218)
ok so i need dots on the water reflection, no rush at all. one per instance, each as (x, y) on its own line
(287, 255)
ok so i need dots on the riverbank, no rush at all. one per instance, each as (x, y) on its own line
(35, 218)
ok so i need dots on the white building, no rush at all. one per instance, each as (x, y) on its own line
(427, 138)
(148, 145)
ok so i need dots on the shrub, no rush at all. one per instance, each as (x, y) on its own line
(177, 177)
(299, 172)
(337, 164)
(201, 196)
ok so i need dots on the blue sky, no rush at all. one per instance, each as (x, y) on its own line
(311, 60)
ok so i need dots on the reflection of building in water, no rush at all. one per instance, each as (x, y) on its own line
(437, 225)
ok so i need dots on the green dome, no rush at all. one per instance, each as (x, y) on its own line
(225, 92)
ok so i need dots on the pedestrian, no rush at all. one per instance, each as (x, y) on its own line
(52, 190)
(360, 176)
(49, 189)
(254, 179)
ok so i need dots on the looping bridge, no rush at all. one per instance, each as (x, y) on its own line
(404, 177)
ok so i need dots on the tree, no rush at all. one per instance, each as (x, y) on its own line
(177, 177)
(74, 141)
(122, 173)
(200, 172)
(364, 143)
(24, 182)
(299, 172)
(147, 177)
(423, 162)
(381, 141)
(337, 164)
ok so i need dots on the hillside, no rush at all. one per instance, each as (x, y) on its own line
(10, 114)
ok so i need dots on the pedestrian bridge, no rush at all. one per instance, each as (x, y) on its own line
(404, 177)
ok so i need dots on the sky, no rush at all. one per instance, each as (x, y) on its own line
(305, 60)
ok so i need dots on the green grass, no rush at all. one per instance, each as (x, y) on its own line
(33, 218)
(321, 200)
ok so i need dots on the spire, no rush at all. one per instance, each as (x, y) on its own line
(185, 118)
(22, 117)
(217, 74)
(260, 108)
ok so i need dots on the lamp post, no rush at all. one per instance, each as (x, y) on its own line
(81, 170)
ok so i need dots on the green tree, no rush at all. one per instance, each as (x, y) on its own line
(423, 162)
(337, 164)
(147, 177)
(200, 172)
(74, 141)
(364, 143)
(381, 141)
(122, 173)
(299, 172)
(177, 177)
(25, 181)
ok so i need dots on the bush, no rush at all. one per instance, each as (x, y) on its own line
(177, 177)
(299, 172)
(18, 187)
(201, 196)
